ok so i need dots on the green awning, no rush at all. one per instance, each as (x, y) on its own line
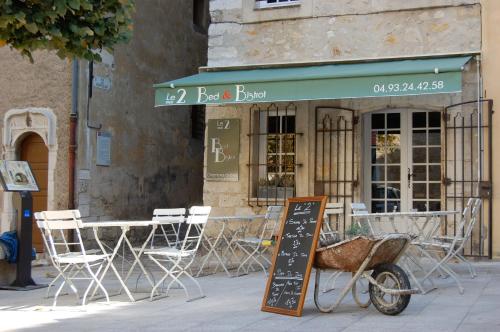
(331, 81)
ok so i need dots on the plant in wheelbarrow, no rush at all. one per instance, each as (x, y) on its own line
(357, 229)
(372, 259)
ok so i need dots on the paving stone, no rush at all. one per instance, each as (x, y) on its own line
(233, 304)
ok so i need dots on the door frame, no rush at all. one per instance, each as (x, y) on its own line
(17, 124)
(406, 153)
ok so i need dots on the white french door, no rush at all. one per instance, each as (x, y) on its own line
(403, 160)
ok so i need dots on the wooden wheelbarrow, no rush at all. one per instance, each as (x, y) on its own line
(389, 287)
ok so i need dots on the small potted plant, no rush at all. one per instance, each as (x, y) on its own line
(275, 187)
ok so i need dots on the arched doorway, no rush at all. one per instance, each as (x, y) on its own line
(33, 150)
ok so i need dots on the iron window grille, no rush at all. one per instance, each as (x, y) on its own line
(272, 155)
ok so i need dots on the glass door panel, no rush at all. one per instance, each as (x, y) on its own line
(385, 153)
(404, 168)
(425, 158)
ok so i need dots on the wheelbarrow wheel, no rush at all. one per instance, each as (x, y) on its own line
(389, 276)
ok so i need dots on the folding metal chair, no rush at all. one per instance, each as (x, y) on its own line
(170, 221)
(254, 247)
(167, 233)
(474, 205)
(175, 262)
(69, 264)
(453, 247)
(329, 236)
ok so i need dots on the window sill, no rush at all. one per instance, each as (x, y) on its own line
(264, 5)
(254, 201)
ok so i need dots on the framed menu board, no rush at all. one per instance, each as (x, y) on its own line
(16, 175)
(294, 255)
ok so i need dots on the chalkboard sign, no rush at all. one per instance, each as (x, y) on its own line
(294, 255)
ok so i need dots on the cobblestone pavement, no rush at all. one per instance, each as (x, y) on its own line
(233, 304)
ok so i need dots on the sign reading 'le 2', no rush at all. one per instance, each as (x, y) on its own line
(239, 94)
(223, 149)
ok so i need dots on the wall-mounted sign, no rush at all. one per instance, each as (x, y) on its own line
(17, 176)
(223, 149)
(101, 82)
(103, 149)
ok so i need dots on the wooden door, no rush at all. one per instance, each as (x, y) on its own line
(34, 151)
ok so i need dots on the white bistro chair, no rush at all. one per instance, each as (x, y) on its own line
(165, 234)
(175, 261)
(255, 247)
(329, 236)
(69, 264)
(328, 233)
(453, 246)
(170, 221)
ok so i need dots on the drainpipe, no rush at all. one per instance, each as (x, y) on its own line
(73, 120)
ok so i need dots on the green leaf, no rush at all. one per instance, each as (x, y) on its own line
(55, 32)
(60, 7)
(31, 27)
(86, 31)
(20, 16)
(75, 4)
(74, 28)
(86, 5)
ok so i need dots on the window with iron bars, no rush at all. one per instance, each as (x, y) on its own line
(272, 158)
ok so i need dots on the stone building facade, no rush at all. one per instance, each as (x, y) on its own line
(392, 152)
(154, 159)
(35, 100)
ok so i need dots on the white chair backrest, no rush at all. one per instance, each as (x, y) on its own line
(169, 216)
(52, 224)
(474, 216)
(274, 212)
(196, 222)
(198, 214)
(332, 209)
(271, 222)
(64, 219)
(39, 221)
(465, 218)
(169, 220)
(359, 208)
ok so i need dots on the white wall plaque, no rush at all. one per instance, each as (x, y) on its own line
(103, 149)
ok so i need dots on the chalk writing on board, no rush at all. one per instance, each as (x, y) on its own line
(293, 255)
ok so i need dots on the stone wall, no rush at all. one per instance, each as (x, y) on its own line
(154, 161)
(333, 31)
(243, 11)
(41, 90)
